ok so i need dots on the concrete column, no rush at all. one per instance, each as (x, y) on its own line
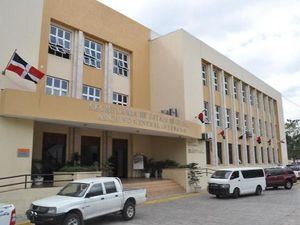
(250, 115)
(233, 123)
(256, 125)
(77, 66)
(225, 153)
(274, 132)
(108, 73)
(264, 130)
(242, 113)
(214, 156)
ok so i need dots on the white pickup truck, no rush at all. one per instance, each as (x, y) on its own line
(86, 199)
(7, 214)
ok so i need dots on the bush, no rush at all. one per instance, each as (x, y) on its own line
(77, 169)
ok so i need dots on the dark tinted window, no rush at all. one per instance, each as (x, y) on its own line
(252, 173)
(275, 172)
(96, 190)
(221, 174)
(110, 187)
(235, 175)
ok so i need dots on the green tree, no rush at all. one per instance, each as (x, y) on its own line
(292, 130)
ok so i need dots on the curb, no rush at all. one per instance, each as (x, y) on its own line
(23, 223)
(173, 198)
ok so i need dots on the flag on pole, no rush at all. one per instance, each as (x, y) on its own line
(269, 141)
(23, 69)
(222, 133)
(201, 116)
(258, 139)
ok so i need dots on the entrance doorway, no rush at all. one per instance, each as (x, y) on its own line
(54, 152)
(90, 151)
(120, 154)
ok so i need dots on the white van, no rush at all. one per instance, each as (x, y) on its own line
(237, 181)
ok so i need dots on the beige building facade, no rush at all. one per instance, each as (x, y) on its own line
(112, 89)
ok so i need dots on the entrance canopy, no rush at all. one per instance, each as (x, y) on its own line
(82, 113)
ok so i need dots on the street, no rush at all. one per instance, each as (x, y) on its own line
(276, 207)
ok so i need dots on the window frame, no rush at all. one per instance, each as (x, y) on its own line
(88, 95)
(218, 116)
(117, 102)
(53, 88)
(204, 75)
(226, 86)
(87, 53)
(206, 110)
(216, 81)
(105, 188)
(59, 49)
(117, 63)
(228, 118)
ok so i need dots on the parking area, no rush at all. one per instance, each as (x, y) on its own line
(276, 207)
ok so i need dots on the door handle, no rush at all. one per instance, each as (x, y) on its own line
(102, 198)
(239, 180)
(116, 195)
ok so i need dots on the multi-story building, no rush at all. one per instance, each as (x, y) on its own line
(109, 84)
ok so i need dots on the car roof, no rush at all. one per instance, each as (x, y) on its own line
(241, 168)
(94, 180)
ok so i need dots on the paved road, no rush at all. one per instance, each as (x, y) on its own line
(274, 207)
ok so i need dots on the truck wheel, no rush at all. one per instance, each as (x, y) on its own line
(288, 184)
(128, 211)
(72, 219)
(258, 190)
(236, 193)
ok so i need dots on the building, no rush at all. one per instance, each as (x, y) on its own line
(109, 84)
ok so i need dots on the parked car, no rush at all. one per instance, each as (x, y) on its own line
(7, 214)
(296, 170)
(86, 199)
(237, 181)
(276, 177)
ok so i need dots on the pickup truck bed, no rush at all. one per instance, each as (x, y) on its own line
(7, 214)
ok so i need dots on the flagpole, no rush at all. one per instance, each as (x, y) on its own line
(3, 72)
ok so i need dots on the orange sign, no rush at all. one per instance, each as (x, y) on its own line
(23, 152)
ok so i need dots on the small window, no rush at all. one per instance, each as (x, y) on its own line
(120, 99)
(92, 53)
(110, 187)
(59, 42)
(204, 74)
(218, 115)
(121, 66)
(216, 82)
(251, 97)
(252, 173)
(56, 86)
(226, 85)
(206, 110)
(91, 93)
(237, 119)
(245, 121)
(244, 92)
(235, 89)
(235, 175)
(228, 121)
(96, 190)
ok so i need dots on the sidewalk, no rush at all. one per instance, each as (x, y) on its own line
(22, 198)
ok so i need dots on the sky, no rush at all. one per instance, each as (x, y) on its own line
(263, 36)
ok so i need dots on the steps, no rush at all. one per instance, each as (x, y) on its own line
(155, 188)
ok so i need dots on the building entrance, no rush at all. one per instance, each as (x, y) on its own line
(120, 154)
(90, 151)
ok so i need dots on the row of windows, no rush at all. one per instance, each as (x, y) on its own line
(60, 87)
(260, 102)
(240, 158)
(228, 123)
(60, 45)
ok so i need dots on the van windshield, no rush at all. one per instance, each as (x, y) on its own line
(221, 174)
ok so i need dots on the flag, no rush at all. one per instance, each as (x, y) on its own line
(222, 133)
(201, 116)
(23, 69)
(269, 141)
(258, 139)
(241, 137)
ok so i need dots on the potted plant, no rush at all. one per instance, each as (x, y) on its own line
(194, 175)
(148, 166)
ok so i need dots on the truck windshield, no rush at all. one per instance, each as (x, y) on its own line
(74, 190)
(221, 174)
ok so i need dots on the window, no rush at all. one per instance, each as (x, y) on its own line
(110, 187)
(92, 53)
(220, 157)
(260, 127)
(206, 112)
(120, 99)
(255, 154)
(248, 153)
(262, 154)
(90, 93)
(251, 97)
(235, 175)
(59, 42)
(237, 119)
(245, 121)
(204, 74)
(269, 158)
(121, 63)
(240, 154)
(96, 190)
(253, 124)
(216, 80)
(244, 92)
(228, 114)
(218, 116)
(252, 173)
(267, 130)
(274, 158)
(207, 144)
(235, 88)
(56, 86)
(226, 85)
(230, 153)
(258, 100)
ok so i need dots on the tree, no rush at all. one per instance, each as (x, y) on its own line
(292, 131)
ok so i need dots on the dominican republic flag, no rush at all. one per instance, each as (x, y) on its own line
(23, 69)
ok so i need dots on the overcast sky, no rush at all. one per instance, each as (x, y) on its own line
(261, 36)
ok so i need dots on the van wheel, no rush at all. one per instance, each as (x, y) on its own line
(258, 190)
(218, 196)
(288, 184)
(72, 219)
(128, 211)
(236, 193)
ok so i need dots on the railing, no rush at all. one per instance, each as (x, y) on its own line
(29, 181)
(207, 171)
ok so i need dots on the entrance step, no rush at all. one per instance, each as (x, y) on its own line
(155, 188)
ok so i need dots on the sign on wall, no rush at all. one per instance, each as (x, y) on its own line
(138, 162)
(23, 152)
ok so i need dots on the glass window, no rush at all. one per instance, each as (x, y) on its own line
(92, 53)
(110, 187)
(235, 175)
(235, 88)
(56, 86)
(220, 156)
(218, 116)
(204, 74)
(120, 99)
(245, 121)
(251, 97)
(96, 190)
(206, 110)
(253, 124)
(74, 190)
(120, 61)
(221, 174)
(248, 153)
(237, 118)
(240, 154)
(244, 92)
(226, 85)
(91, 93)
(255, 154)
(252, 173)
(207, 144)
(216, 82)
(230, 153)
(59, 42)
(228, 115)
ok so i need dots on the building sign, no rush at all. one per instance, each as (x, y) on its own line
(138, 162)
(138, 118)
(23, 152)
(194, 146)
